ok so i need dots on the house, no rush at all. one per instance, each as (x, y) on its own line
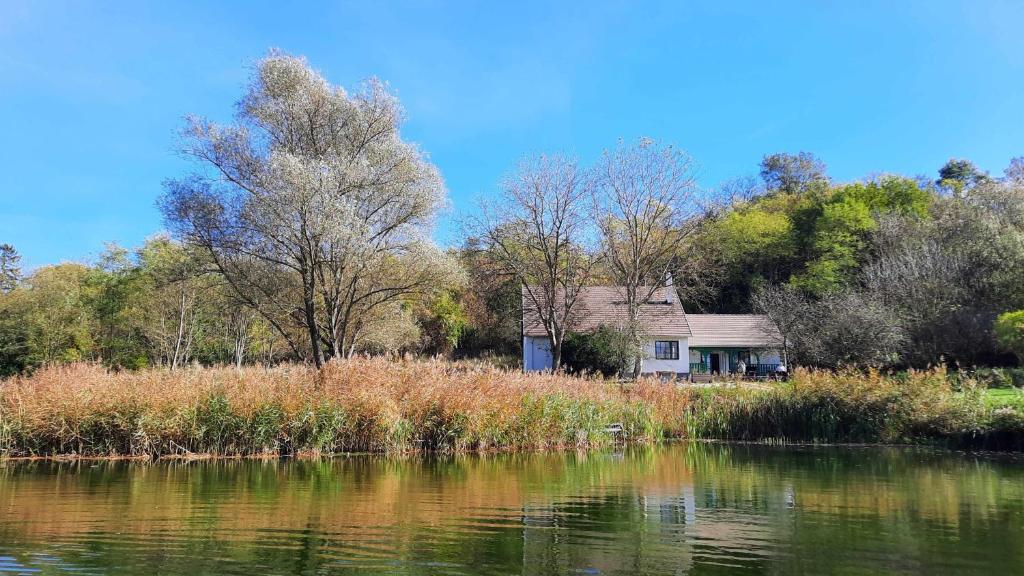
(676, 344)
(719, 342)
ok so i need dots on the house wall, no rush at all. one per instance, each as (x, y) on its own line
(768, 356)
(536, 354)
(652, 365)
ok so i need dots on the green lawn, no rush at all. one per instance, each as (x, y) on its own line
(1005, 397)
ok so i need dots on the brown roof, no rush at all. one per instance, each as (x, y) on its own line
(662, 315)
(752, 330)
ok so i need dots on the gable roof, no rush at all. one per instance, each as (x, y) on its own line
(662, 315)
(753, 330)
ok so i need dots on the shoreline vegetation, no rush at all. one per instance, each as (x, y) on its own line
(400, 406)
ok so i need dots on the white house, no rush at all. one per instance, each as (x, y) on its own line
(676, 344)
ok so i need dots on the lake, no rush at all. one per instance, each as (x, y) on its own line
(687, 508)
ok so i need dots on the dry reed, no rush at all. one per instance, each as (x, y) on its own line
(384, 405)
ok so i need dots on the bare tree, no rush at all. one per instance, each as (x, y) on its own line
(845, 328)
(948, 277)
(787, 310)
(646, 207)
(311, 205)
(538, 233)
(1014, 173)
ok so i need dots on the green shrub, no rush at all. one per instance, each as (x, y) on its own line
(605, 351)
(1009, 331)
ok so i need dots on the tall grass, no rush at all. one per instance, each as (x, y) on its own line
(358, 405)
(396, 406)
(854, 406)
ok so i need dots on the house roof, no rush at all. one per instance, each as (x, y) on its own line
(662, 315)
(732, 330)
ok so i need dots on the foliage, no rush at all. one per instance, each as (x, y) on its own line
(997, 378)
(946, 278)
(815, 236)
(1014, 173)
(925, 273)
(606, 351)
(312, 207)
(493, 305)
(853, 406)
(10, 270)
(50, 318)
(444, 324)
(959, 174)
(792, 173)
(1009, 330)
(840, 329)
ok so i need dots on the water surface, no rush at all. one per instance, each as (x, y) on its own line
(678, 509)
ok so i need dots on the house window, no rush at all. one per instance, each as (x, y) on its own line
(666, 349)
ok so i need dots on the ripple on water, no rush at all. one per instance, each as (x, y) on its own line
(665, 510)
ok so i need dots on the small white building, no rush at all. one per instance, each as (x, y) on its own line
(676, 344)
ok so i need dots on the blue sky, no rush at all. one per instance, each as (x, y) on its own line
(91, 94)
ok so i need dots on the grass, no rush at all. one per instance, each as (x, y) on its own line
(1012, 397)
(379, 405)
(360, 405)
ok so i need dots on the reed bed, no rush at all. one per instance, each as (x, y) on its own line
(851, 406)
(353, 406)
(380, 405)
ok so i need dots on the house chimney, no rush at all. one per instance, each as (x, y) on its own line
(670, 295)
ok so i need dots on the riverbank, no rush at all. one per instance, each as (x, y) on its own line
(377, 405)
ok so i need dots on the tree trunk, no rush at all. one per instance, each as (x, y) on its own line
(181, 332)
(241, 335)
(556, 356)
(309, 310)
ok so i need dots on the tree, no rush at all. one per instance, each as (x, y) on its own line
(852, 329)
(443, 322)
(175, 278)
(958, 174)
(1009, 330)
(392, 329)
(646, 208)
(1014, 173)
(52, 309)
(117, 301)
(792, 173)
(311, 206)
(787, 311)
(947, 277)
(10, 271)
(493, 302)
(537, 233)
(837, 242)
(841, 329)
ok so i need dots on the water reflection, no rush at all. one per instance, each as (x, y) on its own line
(679, 509)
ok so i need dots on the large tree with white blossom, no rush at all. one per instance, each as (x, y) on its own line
(312, 206)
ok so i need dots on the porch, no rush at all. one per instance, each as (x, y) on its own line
(725, 361)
